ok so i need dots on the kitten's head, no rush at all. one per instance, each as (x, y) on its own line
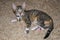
(19, 10)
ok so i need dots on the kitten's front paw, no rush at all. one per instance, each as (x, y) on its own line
(27, 31)
(14, 20)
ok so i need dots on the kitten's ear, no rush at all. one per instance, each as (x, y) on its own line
(24, 5)
(14, 6)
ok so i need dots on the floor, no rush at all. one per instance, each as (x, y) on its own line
(15, 31)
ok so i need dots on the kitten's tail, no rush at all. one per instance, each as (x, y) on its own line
(49, 30)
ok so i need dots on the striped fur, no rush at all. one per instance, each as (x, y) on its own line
(43, 19)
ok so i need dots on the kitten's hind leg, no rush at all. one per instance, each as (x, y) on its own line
(37, 27)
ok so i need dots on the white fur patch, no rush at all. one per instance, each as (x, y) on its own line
(18, 18)
(36, 27)
(13, 20)
(27, 28)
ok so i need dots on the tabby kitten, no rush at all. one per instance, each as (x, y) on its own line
(43, 20)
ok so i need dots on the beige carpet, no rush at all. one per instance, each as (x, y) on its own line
(15, 31)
